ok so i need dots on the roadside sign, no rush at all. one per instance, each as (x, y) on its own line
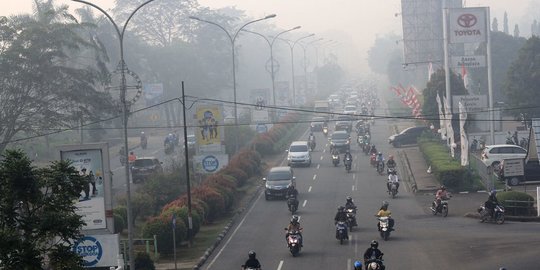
(467, 25)
(513, 167)
(472, 103)
(468, 61)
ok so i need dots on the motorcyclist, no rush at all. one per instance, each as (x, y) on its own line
(294, 226)
(373, 150)
(311, 137)
(373, 254)
(392, 178)
(252, 262)
(441, 194)
(293, 192)
(380, 159)
(384, 212)
(341, 216)
(391, 163)
(348, 155)
(492, 202)
(349, 204)
(335, 152)
(132, 157)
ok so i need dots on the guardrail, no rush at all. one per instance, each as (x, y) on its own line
(520, 208)
(406, 170)
(146, 242)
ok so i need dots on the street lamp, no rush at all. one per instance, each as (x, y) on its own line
(291, 46)
(232, 38)
(271, 45)
(124, 115)
(304, 48)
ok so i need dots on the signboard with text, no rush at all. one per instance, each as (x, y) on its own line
(98, 250)
(472, 103)
(513, 167)
(468, 61)
(210, 163)
(210, 127)
(467, 25)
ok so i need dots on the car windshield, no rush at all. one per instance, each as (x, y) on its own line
(340, 136)
(143, 162)
(278, 176)
(298, 148)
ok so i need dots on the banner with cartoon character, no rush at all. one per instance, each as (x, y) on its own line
(209, 125)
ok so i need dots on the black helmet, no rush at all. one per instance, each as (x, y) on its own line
(294, 219)
(252, 254)
(349, 199)
(341, 209)
(385, 204)
(374, 244)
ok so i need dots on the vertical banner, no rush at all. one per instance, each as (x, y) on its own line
(210, 132)
(152, 93)
(463, 135)
(442, 122)
(449, 128)
(467, 25)
(92, 162)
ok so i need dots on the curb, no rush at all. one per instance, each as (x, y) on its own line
(510, 218)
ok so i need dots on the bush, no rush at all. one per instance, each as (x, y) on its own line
(446, 169)
(119, 223)
(214, 200)
(121, 211)
(239, 175)
(182, 214)
(144, 262)
(196, 205)
(524, 207)
(161, 227)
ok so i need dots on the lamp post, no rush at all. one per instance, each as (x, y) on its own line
(232, 37)
(291, 46)
(304, 48)
(271, 45)
(125, 114)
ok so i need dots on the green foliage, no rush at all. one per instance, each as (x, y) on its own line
(523, 80)
(119, 224)
(37, 213)
(382, 51)
(144, 262)
(241, 134)
(161, 227)
(182, 214)
(523, 208)
(447, 170)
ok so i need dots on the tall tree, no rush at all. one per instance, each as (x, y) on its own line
(505, 24)
(42, 87)
(437, 84)
(37, 213)
(516, 31)
(382, 51)
(495, 25)
(523, 80)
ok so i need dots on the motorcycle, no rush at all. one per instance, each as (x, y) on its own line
(144, 143)
(351, 218)
(312, 145)
(384, 227)
(335, 160)
(360, 140)
(380, 167)
(294, 242)
(169, 148)
(325, 131)
(123, 160)
(373, 160)
(348, 164)
(498, 215)
(393, 185)
(442, 208)
(391, 170)
(341, 232)
(292, 204)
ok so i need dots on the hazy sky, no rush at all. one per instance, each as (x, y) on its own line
(361, 19)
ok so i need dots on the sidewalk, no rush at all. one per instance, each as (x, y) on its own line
(420, 180)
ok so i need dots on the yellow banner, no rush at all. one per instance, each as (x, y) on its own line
(209, 119)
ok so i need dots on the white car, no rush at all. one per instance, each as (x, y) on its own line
(299, 154)
(492, 155)
(349, 109)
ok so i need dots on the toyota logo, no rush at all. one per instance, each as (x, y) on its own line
(467, 20)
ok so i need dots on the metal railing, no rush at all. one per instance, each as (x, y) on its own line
(146, 242)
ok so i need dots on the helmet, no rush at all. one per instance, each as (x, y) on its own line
(385, 204)
(252, 254)
(493, 193)
(341, 208)
(443, 187)
(390, 157)
(380, 153)
(358, 264)
(349, 199)
(294, 219)
(374, 244)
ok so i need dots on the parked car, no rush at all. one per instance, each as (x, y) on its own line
(277, 181)
(145, 167)
(531, 170)
(340, 140)
(492, 155)
(298, 154)
(407, 136)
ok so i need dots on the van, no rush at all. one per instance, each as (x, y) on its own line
(298, 154)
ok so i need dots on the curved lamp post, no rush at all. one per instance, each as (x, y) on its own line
(125, 115)
(291, 46)
(232, 37)
(271, 45)
(304, 48)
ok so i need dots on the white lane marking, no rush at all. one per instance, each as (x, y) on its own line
(353, 188)
(314, 176)
(318, 166)
(355, 247)
(349, 264)
(280, 265)
(304, 204)
(309, 189)
(299, 218)
(322, 157)
(324, 150)
(155, 152)
(114, 170)
(354, 176)
(234, 232)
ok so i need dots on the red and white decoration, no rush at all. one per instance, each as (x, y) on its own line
(409, 98)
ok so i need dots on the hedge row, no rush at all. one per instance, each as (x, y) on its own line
(446, 169)
(279, 136)
(522, 205)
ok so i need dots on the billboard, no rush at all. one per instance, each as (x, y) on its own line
(283, 93)
(472, 103)
(152, 93)
(98, 250)
(210, 132)
(210, 163)
(92, 161)
(260, 98)
(467, 25)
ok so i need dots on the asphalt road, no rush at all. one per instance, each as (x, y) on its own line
(421, 240)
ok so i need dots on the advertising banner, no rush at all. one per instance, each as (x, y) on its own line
(98, 250)
(91, 204)
(464, 140)
(152, 93)
(210, 163)
(260, 98)
(467, 25)
(210, 132)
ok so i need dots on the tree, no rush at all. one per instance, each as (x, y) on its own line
(516, 31)
(37, 213)
(495, 25)
(437, 84)
(505, 24)
(382, 51)
(523, 80)
(42, 87)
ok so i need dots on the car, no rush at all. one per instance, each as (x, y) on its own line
(343, 125)
(349, 109)
(299, 154)
(492, 155)
(531, 173)
(145, 167)
(340, 140)
(407, 136)
(317, 124)
(277, 181)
